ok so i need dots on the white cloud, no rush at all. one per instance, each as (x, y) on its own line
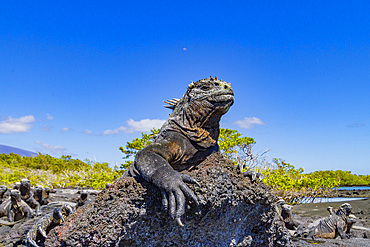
(144, 125)
(51, 148)
(66, 129)
(49, 117)
(249, 122)
(16, 125)
(115, 131)
(184, 49)
(88, 132)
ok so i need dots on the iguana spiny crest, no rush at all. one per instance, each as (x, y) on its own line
(171, 104)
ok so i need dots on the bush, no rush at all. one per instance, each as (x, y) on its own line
(45, 170)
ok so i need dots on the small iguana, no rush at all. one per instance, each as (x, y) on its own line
(15, 208)
(351, 220)
(27, 195)
(39, 195)
(289, 222)
(189, 135)
(330, 210)
(334, 225)
(44, 225)
(3, 190)
(82, 200)
(66, 210)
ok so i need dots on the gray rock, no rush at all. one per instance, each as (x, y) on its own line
(232, 212)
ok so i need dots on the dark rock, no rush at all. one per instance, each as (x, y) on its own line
(232, 212)
(15, 233)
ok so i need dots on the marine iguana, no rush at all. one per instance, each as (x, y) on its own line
(82, 200)
(330, 210)
(289, 222)
(66, 210)
(15, 208)
(47, 192)
(16, 185)
(334, 225)
(350, 221)
(44, 225)
(3, 190)
(27, 195)
(188, 136)
(39, 195)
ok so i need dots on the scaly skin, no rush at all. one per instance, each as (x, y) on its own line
(3, 190)
(38, 194)
(334, 225)
(4, 207)
(43, 225)
(15, 208)
(350, 221)
(27, 195)
(82, 200)
(189, 135)
(286, 213)
(66, 210)
(330, 210)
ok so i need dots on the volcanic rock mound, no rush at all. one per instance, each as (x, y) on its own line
(232, 212)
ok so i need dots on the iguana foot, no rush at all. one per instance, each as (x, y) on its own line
(174, 190)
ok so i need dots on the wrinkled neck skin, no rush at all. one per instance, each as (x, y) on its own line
(197, 120)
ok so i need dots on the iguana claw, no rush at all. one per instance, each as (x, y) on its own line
(178, 220)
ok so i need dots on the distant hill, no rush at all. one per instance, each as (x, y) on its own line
(7, 150)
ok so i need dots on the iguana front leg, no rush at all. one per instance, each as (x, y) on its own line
(11, 215)
(157, 170)
(42, 231)
(341, 232)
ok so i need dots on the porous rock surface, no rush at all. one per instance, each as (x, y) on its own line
(232, 212)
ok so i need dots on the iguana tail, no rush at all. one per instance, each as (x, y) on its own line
(8, 223)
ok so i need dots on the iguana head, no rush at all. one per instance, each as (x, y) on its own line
(211, 93)
(344, 209)
(197, 114)
(15, 197)
(25, 187)
(58, 216)
(66, 210)
(3, 189)
(38, 191)
(83, 195)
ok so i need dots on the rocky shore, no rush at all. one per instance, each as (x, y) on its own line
(232, 212)
(233, 209)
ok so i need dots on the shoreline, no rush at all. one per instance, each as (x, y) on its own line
(351, 193)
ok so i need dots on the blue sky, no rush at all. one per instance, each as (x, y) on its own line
(84, 77)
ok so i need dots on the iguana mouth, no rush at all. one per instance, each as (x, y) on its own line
(222, 98)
